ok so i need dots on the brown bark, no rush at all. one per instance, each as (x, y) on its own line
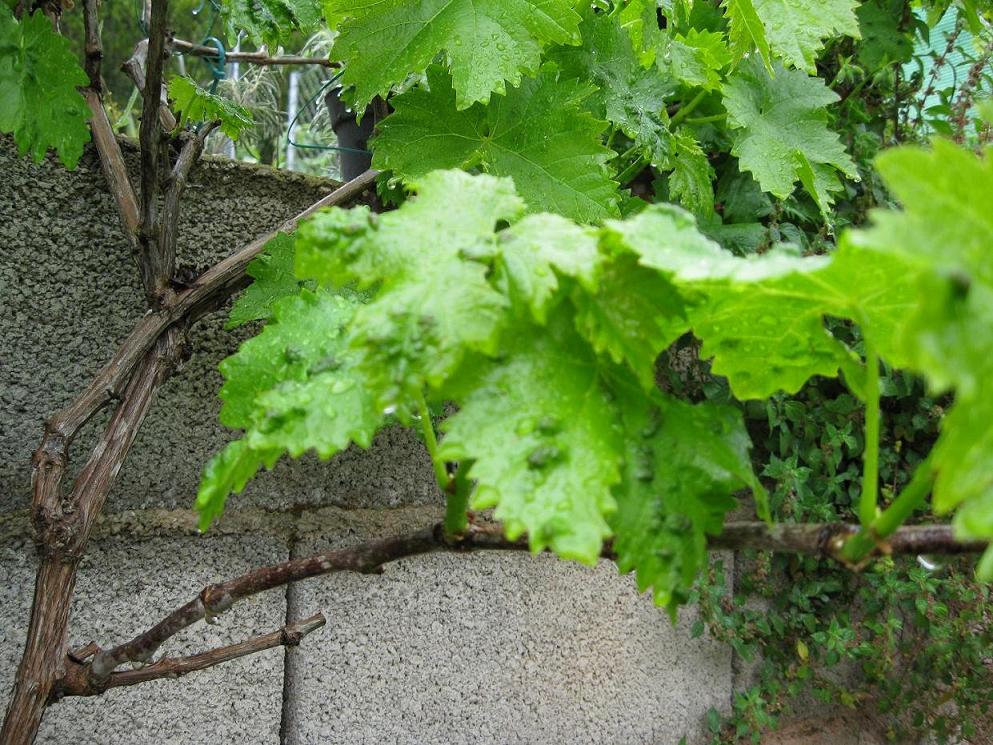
(92, 48)
(42, 663)
(168, 229)
(215, 599)
(112, 165)
(63, 525)
(134, 68)
(154, 264)
(111, 159)
(370, 557)
(207, 293)
(826, 539)
(78, 682)
(62, 528)
(252, 58)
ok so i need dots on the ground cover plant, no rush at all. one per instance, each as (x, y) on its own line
(652, 261)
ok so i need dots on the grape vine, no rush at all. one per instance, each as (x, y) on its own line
(570, 192)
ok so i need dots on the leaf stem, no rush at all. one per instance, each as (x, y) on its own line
(687, 109)
(427, 429)
(627, 153)
(910, 498)
(456, 520)
(706, 119)
(870, 459)
(632, 170)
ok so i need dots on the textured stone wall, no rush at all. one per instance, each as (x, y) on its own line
(442, 649)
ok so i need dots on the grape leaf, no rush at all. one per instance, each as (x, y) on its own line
(946, 231)
(227, 473)
(434, 302)
(195, 104)
(962, 456)
(633, 315)
(739, 238)
(541, 430)
(39, 102)
(950, 340)
(742, 199)
(683, 462)
(305, 329)
(770, 334)
(292, 388)
(781, 132)
(796, 29)
(666, 238)
(760, 299)
(535, 250)
(946, 223)
(762, 317)
(628, 95)
(504, 315)
(272, 272)
(985, 110)
(745, 31)
(270, 22)
(325, 413)
(882, 40)
(537, 134)
(486, 43)
(623, 309)
(639, 18)
(697, 58)
(690, 182)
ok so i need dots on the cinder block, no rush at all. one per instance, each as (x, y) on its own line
(492, 648)
(71, 294)
(124, 587)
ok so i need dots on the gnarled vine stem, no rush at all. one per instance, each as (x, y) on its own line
(824, 539)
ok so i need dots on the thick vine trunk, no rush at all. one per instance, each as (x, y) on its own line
(63, 529)
(63, 526)
(40, 669)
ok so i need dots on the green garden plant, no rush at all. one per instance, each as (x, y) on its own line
(572, 196)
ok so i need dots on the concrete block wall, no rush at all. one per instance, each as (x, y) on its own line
(439, 649)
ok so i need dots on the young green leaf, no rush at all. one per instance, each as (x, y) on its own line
(536, 133)
(273, 279)
(305, 330)
(228, 473)
(682, 464)
(434, 302)
(770, 334)
(796, 29)
(745, 31)
(697, 58)
(542, 432)
(762, 318)
(294, 387)
(883, 41)
(639, 18)
(633, 315)
(628, 95)
(194, 104)
(270, 22)
(691, 180)
(487, 43)
(946, 222)
(39, 102)
(781, 134)
(945, 232)
(533, 252)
